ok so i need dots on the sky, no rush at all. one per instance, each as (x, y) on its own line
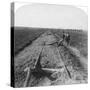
(51, 16)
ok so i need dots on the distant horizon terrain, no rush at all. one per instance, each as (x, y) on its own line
(44, 28)
(24, 36)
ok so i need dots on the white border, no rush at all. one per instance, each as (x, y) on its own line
(5, 44)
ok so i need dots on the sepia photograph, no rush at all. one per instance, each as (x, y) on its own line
(50, 45)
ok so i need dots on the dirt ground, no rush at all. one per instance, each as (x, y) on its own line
(68, 60)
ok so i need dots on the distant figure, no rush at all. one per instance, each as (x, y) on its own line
(65, 40)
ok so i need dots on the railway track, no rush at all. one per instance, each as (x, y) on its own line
(62, 63)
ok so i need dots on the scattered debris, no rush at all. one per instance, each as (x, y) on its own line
(48, 61)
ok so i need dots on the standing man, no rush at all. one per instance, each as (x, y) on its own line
(65, 40)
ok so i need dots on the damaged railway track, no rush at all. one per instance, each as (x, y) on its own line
(45, 63)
